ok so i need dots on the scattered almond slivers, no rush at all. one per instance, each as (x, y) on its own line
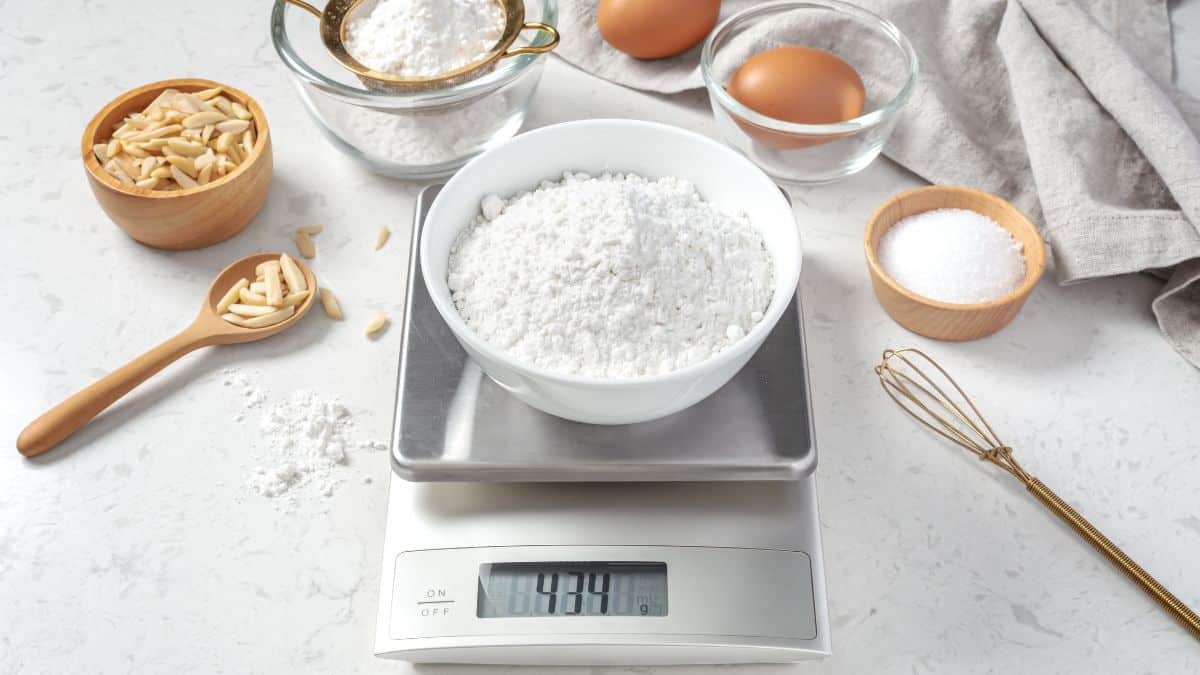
(179, 141)
(304, 244)
(377, 323)
(283, 285)
(332, 309)
(381, 239)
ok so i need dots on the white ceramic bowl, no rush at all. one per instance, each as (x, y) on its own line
(723, 176)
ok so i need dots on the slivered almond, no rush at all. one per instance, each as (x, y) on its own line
(208, 93)
(202, 119)
(133, 150)
(274, 285)
(186, 148)
(147, 183)
(248, 142)
(251, 310)
(381, 239)
(292, 274)
(261, 268)
(304, 244)
(161, 172)
(205, 175)
(185, 104)
(376, 323)
(100, 150)
(293, 299)
(259, 287)
(231, 295)
(160, 132)
(128, 165)
(182, 178)
(260, 321)
(221, 103)
(250, 298)
(224, 141)
(232, 126)
(333, 310)
(184, 164)
(240, 111)
(310, 229)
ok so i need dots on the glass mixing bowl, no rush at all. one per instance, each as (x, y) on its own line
(416, 135)
(811, 153)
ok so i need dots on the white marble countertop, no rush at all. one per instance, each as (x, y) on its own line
(135, 547)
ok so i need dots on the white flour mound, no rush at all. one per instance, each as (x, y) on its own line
(309, 437)
(614, 276)
(423, 38)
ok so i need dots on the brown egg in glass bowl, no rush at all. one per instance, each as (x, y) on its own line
(793, 152)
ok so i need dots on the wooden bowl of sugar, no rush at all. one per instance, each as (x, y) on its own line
(960, 264)
(194, 213)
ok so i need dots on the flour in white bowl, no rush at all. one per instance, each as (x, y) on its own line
(423, 38)
(613, 276)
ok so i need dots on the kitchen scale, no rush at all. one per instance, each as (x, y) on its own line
(514, 537)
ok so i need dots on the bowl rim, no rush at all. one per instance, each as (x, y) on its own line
(92, 131)
(1035, 258)
(594, 127)
(864, 121)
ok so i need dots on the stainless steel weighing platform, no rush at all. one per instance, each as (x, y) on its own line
(453, 423)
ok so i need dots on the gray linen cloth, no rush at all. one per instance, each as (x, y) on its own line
(1064, 107)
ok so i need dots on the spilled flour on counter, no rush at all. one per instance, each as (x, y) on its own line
(306, 441)
(253, 396)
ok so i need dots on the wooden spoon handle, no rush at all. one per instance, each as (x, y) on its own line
(64, 419)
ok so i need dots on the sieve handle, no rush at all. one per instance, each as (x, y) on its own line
(306, 7)
(532, 49)
(1116, 556)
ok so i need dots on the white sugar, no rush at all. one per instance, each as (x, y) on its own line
(953, 255)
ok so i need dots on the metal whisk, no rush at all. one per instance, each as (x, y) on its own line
(927, 392)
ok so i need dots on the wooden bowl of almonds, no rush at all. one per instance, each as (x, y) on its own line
(179, 164)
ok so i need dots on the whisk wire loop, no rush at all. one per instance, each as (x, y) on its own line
(927, 401)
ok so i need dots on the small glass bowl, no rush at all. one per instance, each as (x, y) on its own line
(414, 135)
(809, 154)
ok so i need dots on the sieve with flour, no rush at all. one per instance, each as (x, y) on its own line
(333, 36)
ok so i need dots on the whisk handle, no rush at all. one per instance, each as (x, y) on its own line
(1116, 556)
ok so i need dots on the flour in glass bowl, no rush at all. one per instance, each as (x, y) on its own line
(612, 276)
(423, 38)
(421, 138)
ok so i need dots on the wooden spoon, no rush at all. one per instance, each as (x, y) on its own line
(209, 328)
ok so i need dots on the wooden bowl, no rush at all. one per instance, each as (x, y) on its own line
(944, 320)
(188, 218)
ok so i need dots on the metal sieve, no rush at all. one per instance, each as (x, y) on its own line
(333, 35)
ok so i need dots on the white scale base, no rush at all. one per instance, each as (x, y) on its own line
(745, 578)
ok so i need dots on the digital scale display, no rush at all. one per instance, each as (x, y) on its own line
(572, 589)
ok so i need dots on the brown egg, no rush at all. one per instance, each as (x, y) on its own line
(655, 29)
(797, 84)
